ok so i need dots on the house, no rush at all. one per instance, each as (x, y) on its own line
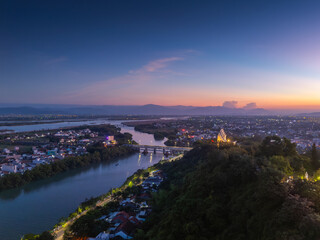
(9, 168)
(142, 214)
(152, 181)
(121, 217)
(101, 236)
(111, 216)
(134, 220)
(101, 218)
(130, 205)
(125, 230)
(145, 196)
(6, 151)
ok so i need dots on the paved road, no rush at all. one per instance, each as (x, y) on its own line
(60, 232)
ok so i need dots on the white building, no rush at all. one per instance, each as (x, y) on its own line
(9, 168)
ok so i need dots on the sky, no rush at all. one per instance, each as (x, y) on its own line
(200, 53)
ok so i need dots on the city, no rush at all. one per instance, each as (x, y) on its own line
(159, 120)
(304, 131)
(47, 147)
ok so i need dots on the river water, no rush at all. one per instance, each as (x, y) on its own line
(38, 206)
(47, 125)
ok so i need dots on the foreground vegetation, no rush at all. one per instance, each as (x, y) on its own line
(233, 193)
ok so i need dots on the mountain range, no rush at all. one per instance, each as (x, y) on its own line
(149, 109)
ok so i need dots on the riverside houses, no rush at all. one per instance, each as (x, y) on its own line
(67, 143)
(123, 224)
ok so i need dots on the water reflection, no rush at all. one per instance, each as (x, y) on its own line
(139, 159)
(45, 183)
(141, 138)
(39, 205)
(10, 194)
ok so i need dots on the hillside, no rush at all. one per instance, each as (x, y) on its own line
(230, 193)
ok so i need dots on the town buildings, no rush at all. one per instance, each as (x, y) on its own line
(41, 151)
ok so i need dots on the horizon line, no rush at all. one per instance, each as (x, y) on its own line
(276, 108)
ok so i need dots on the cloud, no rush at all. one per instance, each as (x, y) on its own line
(230, 104)
(126, 85)
(56, 60)
(155, 66)
(252, 105)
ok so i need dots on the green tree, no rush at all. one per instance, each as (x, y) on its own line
(45, 236)
(274, 145)
(282, 164)
(314, 157)
(30, 236)
(271, 145)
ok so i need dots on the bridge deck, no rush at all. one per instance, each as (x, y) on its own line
(161, 147)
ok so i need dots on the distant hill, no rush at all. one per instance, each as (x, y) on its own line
(149, 109)
(27, 111)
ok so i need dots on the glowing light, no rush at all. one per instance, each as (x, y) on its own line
(130, 184)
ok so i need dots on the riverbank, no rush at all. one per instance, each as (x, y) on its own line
(98, 154)
(5, 131)
(156, 127)
(66, 228)
(40, 204)
(50, 125)
(30, 123)
(43, 155)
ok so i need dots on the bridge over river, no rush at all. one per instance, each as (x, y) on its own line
(160, 149)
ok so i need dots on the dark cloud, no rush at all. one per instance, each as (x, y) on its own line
(230, 104)
(252, 105)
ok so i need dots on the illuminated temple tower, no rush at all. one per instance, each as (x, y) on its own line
(222, 136)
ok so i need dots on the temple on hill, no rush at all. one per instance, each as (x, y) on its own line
(222, 136)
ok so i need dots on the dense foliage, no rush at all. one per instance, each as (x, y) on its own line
(230, 193)
(43, 236)
(98, 154)
(106, 130)
(87, 225)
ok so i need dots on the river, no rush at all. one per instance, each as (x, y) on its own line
(38, 206)
(46, 125)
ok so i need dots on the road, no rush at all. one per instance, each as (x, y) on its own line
(58, 233)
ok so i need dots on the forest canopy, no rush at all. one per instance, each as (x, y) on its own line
(230, 193)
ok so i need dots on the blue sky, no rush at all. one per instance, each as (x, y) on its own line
(162, 52)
